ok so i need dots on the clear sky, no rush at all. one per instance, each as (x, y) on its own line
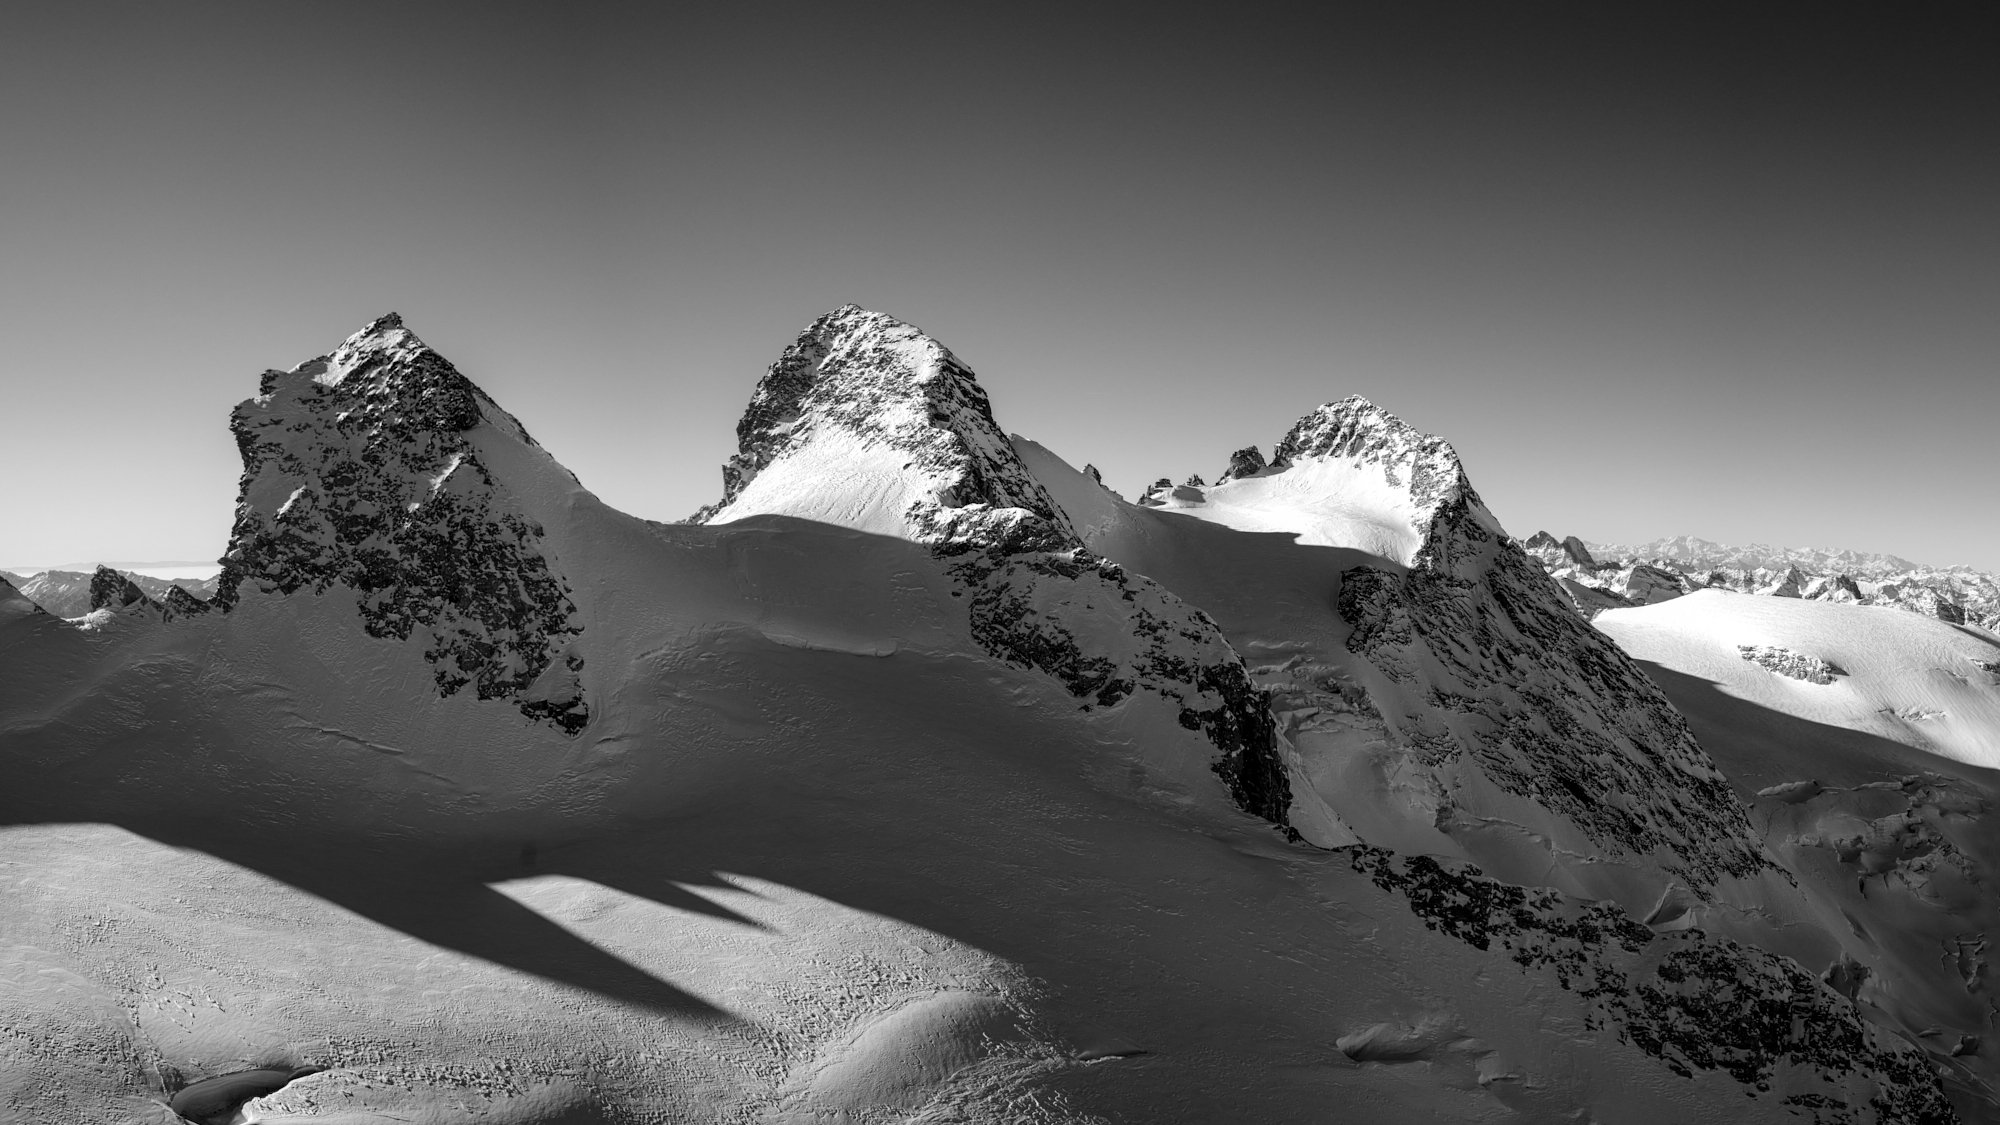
(1731, 271)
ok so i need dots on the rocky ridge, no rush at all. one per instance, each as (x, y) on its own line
(1602, 577)
(1488, 678)
(862, 384)
(66, 593)
(363, 471)
(1695, 1001)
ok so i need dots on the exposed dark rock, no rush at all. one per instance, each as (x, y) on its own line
(1559, 714)
(359, 472)
(1692, 1001)
(112, 590)
(1245, 462)
(1037, 598)
(179, 603)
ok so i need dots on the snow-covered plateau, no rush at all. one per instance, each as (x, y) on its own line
(922, 779)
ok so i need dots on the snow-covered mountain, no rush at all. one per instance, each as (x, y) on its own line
(1695, 552)
(1606, 576)
(1866, 742)
(66, 593)
(919, 778)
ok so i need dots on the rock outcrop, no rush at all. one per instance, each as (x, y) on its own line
(1245, 462)
(1488, 657)
(921, 458)
(114, 591)
(364, 470)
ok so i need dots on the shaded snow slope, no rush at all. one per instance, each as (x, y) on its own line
(1874, 783)
(867, 423)
(1444, 699)
(857, 829)
(381, 470)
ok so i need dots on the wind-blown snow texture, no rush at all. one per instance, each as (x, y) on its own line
(361, 471)
(955, 747)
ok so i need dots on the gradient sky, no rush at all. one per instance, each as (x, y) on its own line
(1731, 272)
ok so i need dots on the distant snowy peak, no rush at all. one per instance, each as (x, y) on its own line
(381, 469)
(1357, 431)
(114, 591)
(1348, 474)
(1957, 594)
(866, 422)
(1694, 551)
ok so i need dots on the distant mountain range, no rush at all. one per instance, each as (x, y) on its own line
(920, 778)
(1599, 576)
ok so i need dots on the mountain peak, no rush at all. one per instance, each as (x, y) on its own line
(380, 468)
(867, 422)
(1357, 430)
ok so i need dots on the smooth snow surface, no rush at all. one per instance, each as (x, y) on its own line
(1322, 503)
(809, 845)
(1912, 680)
(1877, 789)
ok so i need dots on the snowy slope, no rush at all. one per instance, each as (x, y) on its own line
(1439, 698)
(1865, 739)
(867, 423)
(852, 826)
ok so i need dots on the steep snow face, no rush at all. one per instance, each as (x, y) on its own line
(860, 828)
(1433, 687)
(13, 603)
(1864, 739)
(1347, 475)
(868, 423)
(381, 470)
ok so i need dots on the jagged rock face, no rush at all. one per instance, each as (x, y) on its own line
(907, 425)
(1790, 584)
(1505, 677)
(1354, 430)
(360, 471)
(1693, 1001)
(179, 603)
(1107, 634)
(1958, 594)
(918, 455)
(1802, 666)
(1832, 588)
(111, 590)
(1245, 462)
(1919, 598)
(1647, 585)
(1156, 493)
(14, 603)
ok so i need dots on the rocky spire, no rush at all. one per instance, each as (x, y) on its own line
(112, 590)
(1245, 462)
(369, 469)
(862, 396)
